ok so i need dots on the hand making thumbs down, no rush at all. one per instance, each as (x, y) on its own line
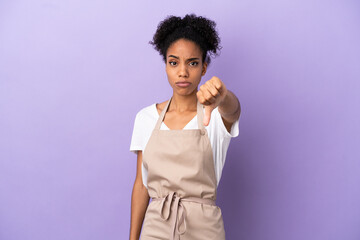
(211, 94)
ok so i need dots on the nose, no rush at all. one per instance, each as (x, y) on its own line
(183, 71)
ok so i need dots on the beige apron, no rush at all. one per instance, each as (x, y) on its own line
(182, 184)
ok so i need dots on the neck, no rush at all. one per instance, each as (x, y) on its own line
(182, 103)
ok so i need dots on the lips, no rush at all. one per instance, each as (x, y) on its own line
(183, 84)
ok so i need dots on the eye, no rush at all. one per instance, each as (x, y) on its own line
(194, 63)
(172, 63)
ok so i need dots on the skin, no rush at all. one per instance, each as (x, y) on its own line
(184, 63)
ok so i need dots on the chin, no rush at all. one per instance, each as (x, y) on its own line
(185, 92)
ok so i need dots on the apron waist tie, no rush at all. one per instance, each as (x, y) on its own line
(179, 210)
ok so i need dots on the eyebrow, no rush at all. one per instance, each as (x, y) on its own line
(190, 59)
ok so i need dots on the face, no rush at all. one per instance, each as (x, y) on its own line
(184, 66)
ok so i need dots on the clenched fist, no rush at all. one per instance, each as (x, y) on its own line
(211, 94)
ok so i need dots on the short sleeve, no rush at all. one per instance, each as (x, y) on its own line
(220, 139)
(136, 143)
(234, 132)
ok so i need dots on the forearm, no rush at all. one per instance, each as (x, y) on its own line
(139, 204)
(230, 107)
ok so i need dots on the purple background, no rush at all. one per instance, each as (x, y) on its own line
(73, 75)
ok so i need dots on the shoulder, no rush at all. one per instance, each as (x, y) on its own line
(143, 124)
(159, 106)
(152, 110)
(144, 121)
(146, 113)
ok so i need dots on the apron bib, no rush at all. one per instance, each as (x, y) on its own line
(182, 184)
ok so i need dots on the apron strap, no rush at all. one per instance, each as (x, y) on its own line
(200, 115)
(162, 114)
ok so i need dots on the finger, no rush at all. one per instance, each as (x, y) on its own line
(202, 99)
(208, 110)
(218, 84)
(213, 90)
(209, 97)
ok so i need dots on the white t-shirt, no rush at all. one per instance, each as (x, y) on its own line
(145, 122)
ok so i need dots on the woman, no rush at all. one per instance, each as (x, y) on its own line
(181, 143)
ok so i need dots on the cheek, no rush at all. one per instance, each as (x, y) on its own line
(167, 70)
(171, 71)
(171, 76)
(197, 71)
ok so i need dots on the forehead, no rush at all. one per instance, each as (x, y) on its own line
(184, 48)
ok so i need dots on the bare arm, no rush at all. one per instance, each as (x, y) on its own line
(139, 202)
(230, 109)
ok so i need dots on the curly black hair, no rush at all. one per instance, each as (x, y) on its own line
(195, 28)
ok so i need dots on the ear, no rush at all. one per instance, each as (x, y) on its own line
(204, 68)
